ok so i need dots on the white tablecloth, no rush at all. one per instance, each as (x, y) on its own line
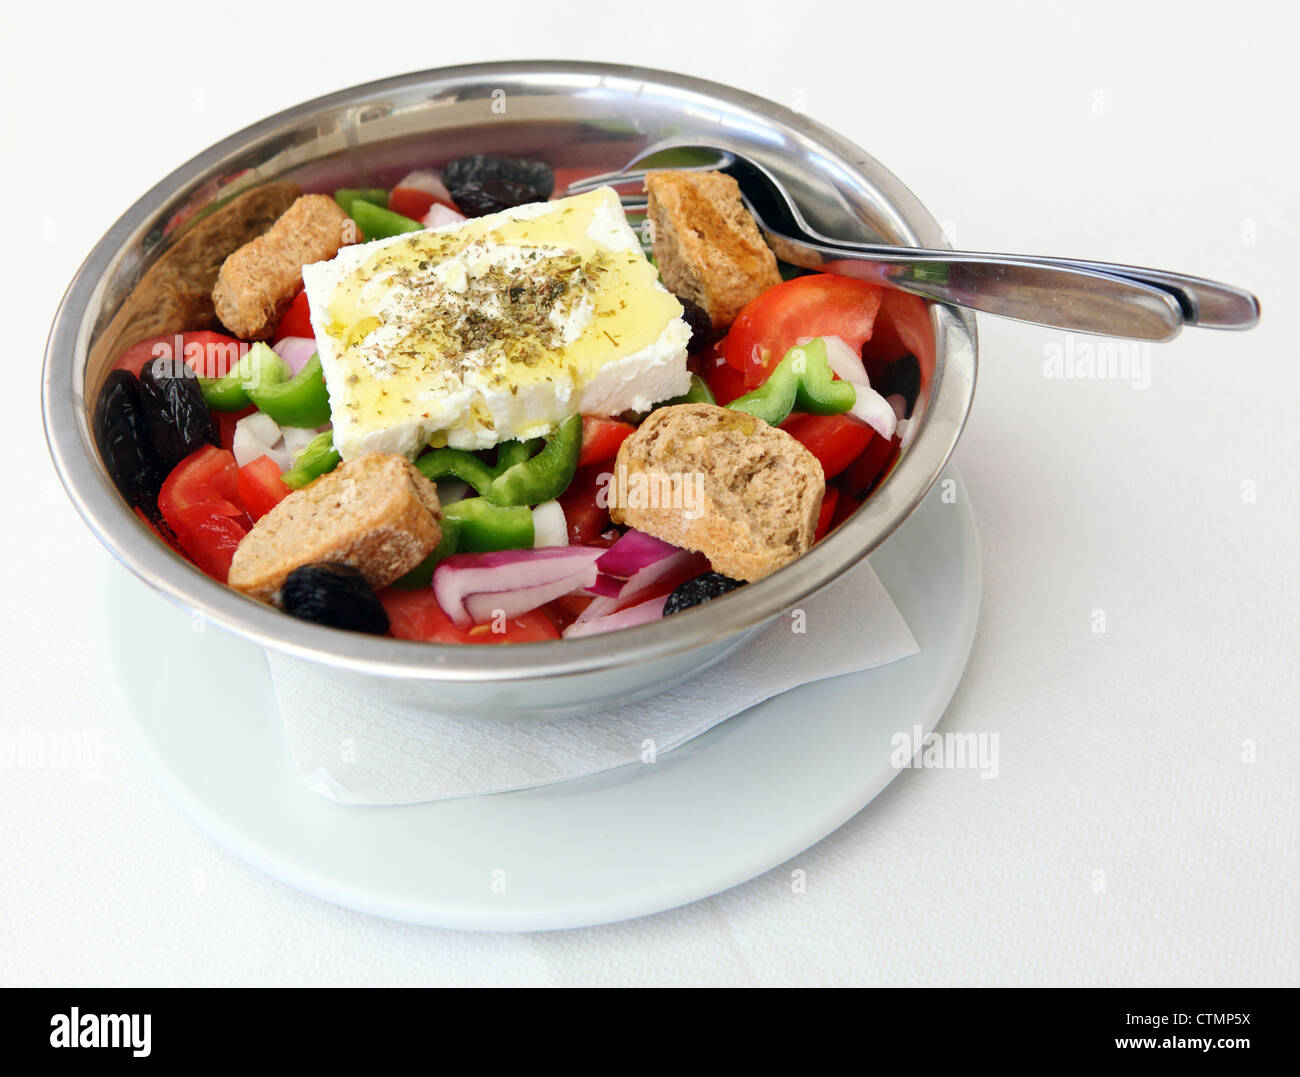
(1128, 837)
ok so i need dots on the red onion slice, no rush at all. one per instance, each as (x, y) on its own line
(633, 552)
(503, 572)
(642, 613)
(295, 351)
(872, 408)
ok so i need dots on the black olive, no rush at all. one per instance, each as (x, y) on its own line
(179, 419)
(903, 378)
(701, 589)
(492, 196)
(335, 595)
(122, 434)
(702, 332)
(478, 168)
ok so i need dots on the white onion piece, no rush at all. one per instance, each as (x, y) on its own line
(440, 216)
(874, 410)
(899, 404)
(258, 435)
(297, 438)
(296, 351)
(427, 181)
(845, 362)
(640, 614)
(550, 528)
(870, 406)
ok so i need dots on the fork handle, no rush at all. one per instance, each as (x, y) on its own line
(1208, 304)
(1064, 296)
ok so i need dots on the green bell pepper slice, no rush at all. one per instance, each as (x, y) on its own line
(801, 381)
(544, 476)
(380, 223)
(261, 378)
(347, 197)
(510, 453)
(483, 527)
(315, 460)
(229, 392)
(422, 574)
(301, 401)
(456, 464)
(698, 393)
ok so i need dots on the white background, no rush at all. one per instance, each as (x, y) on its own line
(1163, 134)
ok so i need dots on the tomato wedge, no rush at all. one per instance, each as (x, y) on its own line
(413, 202)
(209, 354)
(296, 321)
(260, 486)
(587, 518)
(416, 615)
(226, 422)
(199, 501)
(902, 326)
(871, 465)
(818, 305)
(725, 382)
(836, 440)
(601, 439)
(829, 500)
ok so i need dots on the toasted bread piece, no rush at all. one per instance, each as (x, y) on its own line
(175, 293)
(376, 513)
(706, 244)
(706, 478)
(258, 282)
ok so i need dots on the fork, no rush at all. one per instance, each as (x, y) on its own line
(1085, 296)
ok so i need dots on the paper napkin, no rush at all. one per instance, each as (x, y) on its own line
(356, 750)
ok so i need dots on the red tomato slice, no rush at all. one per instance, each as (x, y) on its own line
(902, 326)
(818, 305)
(829, 500)
(209, 354)
(845, 506)
(296, 321)
(587, 518)
(260, 487)
(413, 202)
(566, 609)
(226, 421)
(601, 439)
(836, 440)
(417, 615)
(199, 501)
(871, 465)
(725, 382)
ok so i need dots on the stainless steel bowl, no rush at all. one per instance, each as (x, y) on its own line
(593, 116)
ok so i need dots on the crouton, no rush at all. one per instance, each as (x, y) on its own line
(175, 293)
(706, 243)
(745, 494)
(376, 513)
(258, 282)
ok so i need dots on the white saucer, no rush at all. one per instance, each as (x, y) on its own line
(741, 799)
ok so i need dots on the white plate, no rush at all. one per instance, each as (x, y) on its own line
(741, 799)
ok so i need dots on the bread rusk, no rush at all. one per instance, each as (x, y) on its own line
(377, 513)
(745, 494)
(706, 244)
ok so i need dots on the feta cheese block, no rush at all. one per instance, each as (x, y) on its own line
(493, 329)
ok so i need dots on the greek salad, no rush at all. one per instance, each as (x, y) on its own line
(470, 409)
